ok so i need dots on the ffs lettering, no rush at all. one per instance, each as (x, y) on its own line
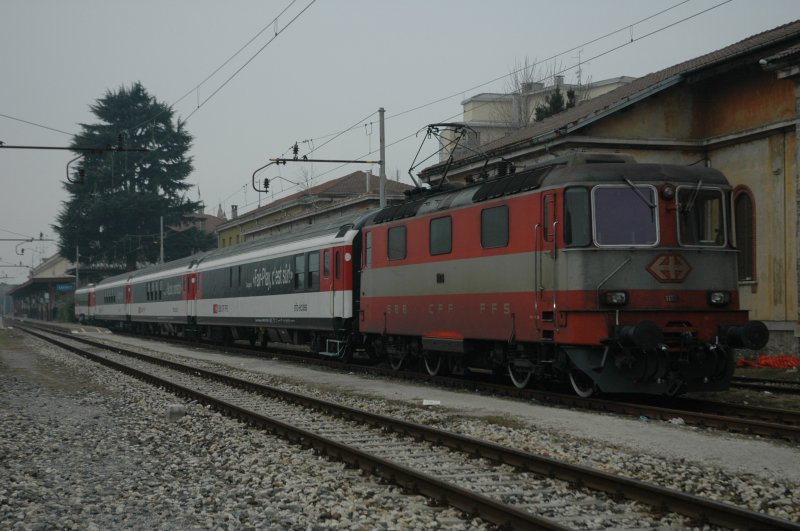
(494, 308)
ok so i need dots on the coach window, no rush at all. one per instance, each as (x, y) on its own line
(326, 264)
(397, 243)
(577, 218)
(494, 227)
(299, 271)
(313, 270)
(745, 232)
(441, 235)
(368, 250)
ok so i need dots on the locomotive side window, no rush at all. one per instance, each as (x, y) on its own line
(397, 243)
(338, 264)
(701, 217)
(577, 218)
(441, 235)
(299, 271)
(313, 271)
(326, 264)
(494, 227)
(625, 215)
(548, 218)
(368, 250)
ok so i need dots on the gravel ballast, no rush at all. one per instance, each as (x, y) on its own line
(206, 471)
(83, 447)
(747, 471)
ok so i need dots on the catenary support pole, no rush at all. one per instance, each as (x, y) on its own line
(382, 134)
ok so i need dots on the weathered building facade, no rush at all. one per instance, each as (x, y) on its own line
(737, 110)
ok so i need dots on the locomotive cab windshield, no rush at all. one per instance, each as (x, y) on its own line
(625, 215)
(701, 216)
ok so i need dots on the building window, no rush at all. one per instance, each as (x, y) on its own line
(441, 235)
(494, 227)
(745, 232)
(397, 243)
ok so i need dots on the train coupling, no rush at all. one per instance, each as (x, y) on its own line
(645, 335)
(753, 335)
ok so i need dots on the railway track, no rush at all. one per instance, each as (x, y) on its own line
(760, 421)
(765, 384)
(502, 485)
(764, 422)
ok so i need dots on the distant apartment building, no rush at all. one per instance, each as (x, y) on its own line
(493, 116)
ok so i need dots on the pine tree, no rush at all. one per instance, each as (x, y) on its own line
(554, 104)
(114, 215)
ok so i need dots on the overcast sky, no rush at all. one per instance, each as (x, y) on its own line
(329, 69)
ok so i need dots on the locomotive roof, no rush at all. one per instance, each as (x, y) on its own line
(573, 169)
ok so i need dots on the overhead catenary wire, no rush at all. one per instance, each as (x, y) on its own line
(630, 41)
(277, 34)
(597, 56)
(406, 111)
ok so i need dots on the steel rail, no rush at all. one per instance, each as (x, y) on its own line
(765, 422)
(661, 498)
(765, 384)
(470, 502)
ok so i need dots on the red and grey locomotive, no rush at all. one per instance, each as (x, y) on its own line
(592, 269)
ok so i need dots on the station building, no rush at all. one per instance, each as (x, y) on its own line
(735, 109)
(345, 198)
(48, 293)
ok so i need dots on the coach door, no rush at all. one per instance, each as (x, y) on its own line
(190, 291)
(337, 283)
(546, 255)
(128, 301)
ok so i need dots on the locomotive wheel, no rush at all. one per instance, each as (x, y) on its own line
(435, 363)
(520, 378)
(582, 385)
(397, 361)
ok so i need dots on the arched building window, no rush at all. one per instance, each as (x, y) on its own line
(744, 218)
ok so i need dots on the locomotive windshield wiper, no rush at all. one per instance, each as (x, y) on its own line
(690, 203)
(640, 194)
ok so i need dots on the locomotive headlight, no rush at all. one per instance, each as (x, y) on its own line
(668, 192)
(719, 298)
(615, 298)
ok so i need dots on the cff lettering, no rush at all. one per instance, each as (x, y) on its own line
(440, 308)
